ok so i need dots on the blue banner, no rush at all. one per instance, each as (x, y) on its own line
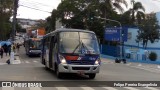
(113, 34)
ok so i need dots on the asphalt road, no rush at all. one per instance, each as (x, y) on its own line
(30, 69)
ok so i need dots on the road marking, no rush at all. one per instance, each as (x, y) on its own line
(139, 64)
(3, 63)
(158, 66)
(35, 88)
(128, 64)
(87, 88)
(35, 61)
(8, 88)
(151, 88)
(148, 69)
(61, 88)
(131, 88)
(27, 62)
(109, 88)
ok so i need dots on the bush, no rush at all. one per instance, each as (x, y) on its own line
(153, 56)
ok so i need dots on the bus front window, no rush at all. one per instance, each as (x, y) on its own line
(35, 44)
(78, 42)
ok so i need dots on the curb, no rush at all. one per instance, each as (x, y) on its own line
(131, 60)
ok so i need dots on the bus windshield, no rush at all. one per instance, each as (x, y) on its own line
(78, 43)
(35, 44)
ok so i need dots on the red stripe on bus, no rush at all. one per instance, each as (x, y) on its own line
(71, 57)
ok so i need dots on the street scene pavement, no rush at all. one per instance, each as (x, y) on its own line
(30, 69)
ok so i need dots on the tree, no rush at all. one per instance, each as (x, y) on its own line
(149, 30)
(6, 8)
(81, 14)
(136, 14)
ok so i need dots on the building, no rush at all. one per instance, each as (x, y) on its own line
(130, 47)
(158, 16)
(135, 49)
(28, 23)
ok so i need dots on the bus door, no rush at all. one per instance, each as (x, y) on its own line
(53, 52)
(46, 50)
(50, 51)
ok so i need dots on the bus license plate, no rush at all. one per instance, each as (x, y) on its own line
(81, 72)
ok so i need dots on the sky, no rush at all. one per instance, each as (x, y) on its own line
(27, 7)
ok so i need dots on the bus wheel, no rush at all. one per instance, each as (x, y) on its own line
(92, 75)
(58, 74)
(46, 67)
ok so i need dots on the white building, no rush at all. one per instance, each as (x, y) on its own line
(136, 50)
(27, 23)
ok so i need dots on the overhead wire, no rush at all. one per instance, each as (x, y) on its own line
(34, 5)
(34, 8)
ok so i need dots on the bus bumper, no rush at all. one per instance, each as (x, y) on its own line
(68, 68)
(34, 52)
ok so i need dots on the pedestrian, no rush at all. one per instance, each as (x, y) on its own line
(5, 48)
(13, 47)
(9, 49)
(18, 46)
(1, 51)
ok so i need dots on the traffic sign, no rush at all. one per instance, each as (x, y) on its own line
(113, 34)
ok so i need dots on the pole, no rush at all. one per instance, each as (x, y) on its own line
(13, 30)
(121, 48)
(14, 19)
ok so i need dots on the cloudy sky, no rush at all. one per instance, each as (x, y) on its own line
(39, 9)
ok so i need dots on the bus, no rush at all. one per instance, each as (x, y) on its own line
(71, 51)
(33, 46)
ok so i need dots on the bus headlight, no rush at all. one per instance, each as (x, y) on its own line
(98, 61)
(62, 59)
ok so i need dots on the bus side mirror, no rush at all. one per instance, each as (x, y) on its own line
(98, 40)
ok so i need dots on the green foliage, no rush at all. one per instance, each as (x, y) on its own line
(149, 30)
(81, 14)
(153, 56)
(6, 7)
(134, 15)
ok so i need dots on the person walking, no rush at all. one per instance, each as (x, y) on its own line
(1, 51)
(5, 47)
(18, 46)
(9, 49)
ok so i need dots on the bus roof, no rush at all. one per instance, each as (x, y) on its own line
(68, 30)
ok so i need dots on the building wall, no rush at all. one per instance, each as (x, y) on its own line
(158, 16)
(132, 44)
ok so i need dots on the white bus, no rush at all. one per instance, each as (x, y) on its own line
(71, 51)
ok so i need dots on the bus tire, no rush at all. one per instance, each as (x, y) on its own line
(58, 74)
(46, 68)
(92, 75)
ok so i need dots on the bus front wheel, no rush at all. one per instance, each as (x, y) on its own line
(92, 75)
(58, 74)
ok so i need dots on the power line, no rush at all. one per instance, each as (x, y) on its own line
(36, 3)
(33, 8)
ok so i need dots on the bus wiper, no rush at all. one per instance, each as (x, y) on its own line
(76, 48)
(84, 46)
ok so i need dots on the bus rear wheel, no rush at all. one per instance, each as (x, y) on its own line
(92, 75)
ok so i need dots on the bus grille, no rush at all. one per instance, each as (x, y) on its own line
(82, 62)
(80, 68)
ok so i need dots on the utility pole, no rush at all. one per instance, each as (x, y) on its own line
(14, 19)
(13, 29)
(121, 39)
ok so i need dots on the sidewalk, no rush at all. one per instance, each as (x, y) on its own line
(5, 58)
(131, 60)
